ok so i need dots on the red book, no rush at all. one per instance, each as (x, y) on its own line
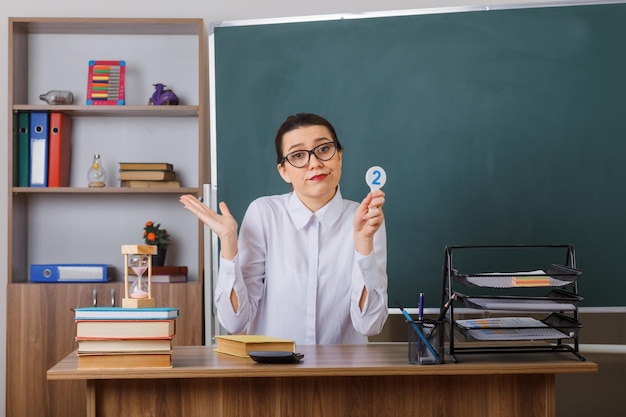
(60, 150)
(165, 270)
(169, 270)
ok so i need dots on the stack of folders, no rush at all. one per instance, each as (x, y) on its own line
(42, 144)
(166, 274)
(147, 175)
(117, 337)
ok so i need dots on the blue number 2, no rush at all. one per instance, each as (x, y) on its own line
(376, 180)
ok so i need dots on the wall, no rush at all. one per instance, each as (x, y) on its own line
(210, 11)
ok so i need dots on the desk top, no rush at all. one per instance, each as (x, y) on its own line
(373, 359)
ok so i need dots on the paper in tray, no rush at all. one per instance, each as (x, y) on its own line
(555, 300)
(556, 326)
(553, 276)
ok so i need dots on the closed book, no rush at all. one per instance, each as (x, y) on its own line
(170, 269)
(149, 184)
(124, 360)
(39, 130)
(23, 149)
(125, 329)
(121, 313)
(124, 345)
(146, 166)
(240, 345)
(60, 150)
(166, 279)
(148, 175)
(165, 270)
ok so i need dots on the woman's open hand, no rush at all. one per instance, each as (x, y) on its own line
(223, 225)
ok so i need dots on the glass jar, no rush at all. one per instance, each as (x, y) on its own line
(57, 97)
(96, 174)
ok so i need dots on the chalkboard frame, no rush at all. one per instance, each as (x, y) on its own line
(599, 285)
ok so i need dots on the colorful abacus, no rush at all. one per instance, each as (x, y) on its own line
(106, 83)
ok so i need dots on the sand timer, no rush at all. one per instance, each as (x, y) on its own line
(139, 259)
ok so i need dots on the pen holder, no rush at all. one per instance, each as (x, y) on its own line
(427, 348)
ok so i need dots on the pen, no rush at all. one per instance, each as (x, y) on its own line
(446, 306)
(420, 318)
(419, 333)
(420, 314)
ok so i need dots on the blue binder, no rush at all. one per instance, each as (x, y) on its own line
(39, 143)
(50, 273)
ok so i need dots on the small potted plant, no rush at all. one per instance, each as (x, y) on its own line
(154, 235)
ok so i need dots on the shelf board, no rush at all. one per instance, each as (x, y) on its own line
(108, 26)
(118, 111)
(105, 190)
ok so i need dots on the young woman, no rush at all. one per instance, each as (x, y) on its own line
(307, 265)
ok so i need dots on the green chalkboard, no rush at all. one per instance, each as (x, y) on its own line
(494, 127)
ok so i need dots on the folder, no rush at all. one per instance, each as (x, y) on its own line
(60, 150)
(22, 159)
(15, 156)
(69, 273)
(39, 130)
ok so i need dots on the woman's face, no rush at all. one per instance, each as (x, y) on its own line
(315, 183)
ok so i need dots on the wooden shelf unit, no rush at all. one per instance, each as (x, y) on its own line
(40, 321)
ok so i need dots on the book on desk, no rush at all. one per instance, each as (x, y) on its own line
(125, 360)
(126, 329)
(241, 344)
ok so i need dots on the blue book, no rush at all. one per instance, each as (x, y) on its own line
(39, 149)
(122, 313)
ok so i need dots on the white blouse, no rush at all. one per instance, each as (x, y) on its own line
(298, 276)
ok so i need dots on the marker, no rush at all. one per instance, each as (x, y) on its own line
(375, 177)
(419, 333)
(420, 314)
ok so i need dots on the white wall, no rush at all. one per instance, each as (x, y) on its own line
(210, 11)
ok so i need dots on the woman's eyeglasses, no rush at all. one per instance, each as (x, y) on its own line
(300, 159)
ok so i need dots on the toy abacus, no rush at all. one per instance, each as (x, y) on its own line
(106, 83)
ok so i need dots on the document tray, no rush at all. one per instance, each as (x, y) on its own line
(555, 301)
(555, 327)
(553, 276)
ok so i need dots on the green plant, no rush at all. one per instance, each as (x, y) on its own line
(154, 235)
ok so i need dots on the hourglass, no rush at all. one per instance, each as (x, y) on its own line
(139, 259)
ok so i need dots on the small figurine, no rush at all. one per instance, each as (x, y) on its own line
(162, 97)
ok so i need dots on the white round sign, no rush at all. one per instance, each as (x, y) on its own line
(375, 178)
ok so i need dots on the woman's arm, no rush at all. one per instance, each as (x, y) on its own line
(369, 300)
(369, 280)
(224, 226)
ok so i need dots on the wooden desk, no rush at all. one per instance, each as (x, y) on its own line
(332, 380)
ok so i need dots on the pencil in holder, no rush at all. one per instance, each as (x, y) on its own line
(425, 339)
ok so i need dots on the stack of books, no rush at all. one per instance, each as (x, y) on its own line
(117, 337)
(147, 174)
(166, 274)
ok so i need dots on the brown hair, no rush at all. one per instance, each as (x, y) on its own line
(301, 120)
